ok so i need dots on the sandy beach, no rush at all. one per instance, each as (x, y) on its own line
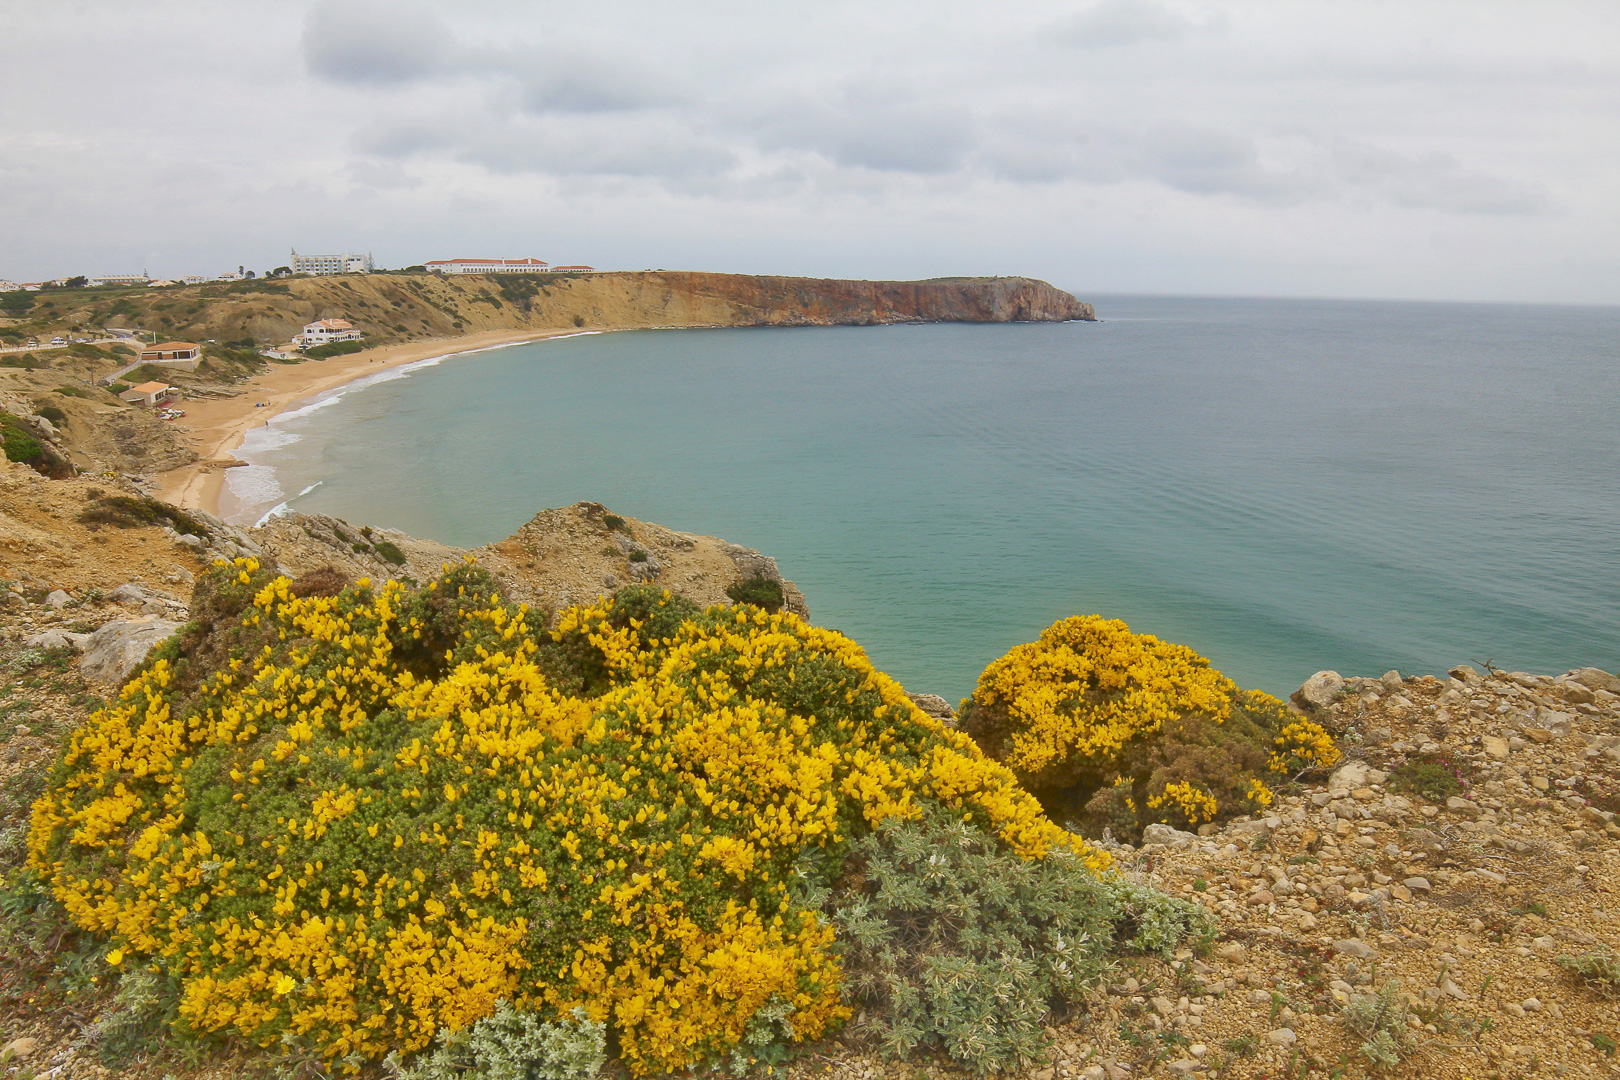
(215, 427)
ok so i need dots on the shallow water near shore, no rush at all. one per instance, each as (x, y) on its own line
(1282, 485)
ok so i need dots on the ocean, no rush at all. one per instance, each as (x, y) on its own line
(1282, 485)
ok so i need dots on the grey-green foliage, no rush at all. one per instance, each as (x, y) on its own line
(135, 1019)
(955, 942)
(512, 1045)
(1600, 970)
(1380, 1019)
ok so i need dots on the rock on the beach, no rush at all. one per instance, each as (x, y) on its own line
(1319, 691)
(118, 648)
(1595, 679)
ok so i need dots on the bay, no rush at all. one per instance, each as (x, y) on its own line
(1282, 485)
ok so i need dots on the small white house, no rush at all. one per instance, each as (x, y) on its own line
(325, 332)
(150, 394)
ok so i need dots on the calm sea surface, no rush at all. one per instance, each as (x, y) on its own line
(1282, 485)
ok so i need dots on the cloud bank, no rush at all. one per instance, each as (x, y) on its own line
(1130, 145)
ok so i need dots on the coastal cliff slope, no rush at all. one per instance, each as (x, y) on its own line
(396, 307)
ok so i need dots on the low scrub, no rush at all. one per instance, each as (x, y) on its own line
(1379, 1019)
(347, 823)
(337, 348)
(1436, 776)
(134, 511)
(1115, 730)
(762, 592)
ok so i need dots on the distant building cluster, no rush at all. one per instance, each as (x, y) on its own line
(347, 263)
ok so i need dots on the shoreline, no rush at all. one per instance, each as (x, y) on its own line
(217, 426)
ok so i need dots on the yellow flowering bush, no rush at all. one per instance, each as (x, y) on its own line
(348, 822)
(1112, 729)
(1302, 746)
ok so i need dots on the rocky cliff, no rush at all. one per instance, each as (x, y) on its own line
(395, 307)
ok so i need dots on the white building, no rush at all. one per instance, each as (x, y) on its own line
(9, 286)
(325, 332)
(490, 266)
(573, 269)
(121, 279)
(348, 263)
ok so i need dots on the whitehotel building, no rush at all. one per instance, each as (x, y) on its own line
(331, 264)
(490, 266)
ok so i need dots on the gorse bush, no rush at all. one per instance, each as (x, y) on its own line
(1117, 730)
(357, 820)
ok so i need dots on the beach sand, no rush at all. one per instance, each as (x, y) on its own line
(215, 427)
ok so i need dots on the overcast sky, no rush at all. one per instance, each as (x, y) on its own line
(1410, 149)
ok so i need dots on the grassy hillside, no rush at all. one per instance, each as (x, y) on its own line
(391, 307)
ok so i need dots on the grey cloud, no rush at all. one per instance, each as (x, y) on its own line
(1129, 22)
(1434, 181)
(865, 129)
(366, 42)
(584, 84)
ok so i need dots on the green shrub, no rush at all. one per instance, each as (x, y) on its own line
(953, 943)
(136, 1020)
(637, 555)
(73, 392)
(337, 348)
(762, 592)
(118, 388)
(579, 320)
(134, 511)
(1435, 776)
(1380, 1020)
(613, 523)
(26, 361)
(121, 349)
(389, 551)
(512, 1045)
(53, 414)
(19, 442)
(16, 303)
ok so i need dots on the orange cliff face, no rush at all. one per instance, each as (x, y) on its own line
(747, 300)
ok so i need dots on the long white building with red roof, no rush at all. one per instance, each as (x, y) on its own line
(490, 266)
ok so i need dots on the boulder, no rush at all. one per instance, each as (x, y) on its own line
(1158, 833)
(1349, 776)
(1495, 747)
(1392, 681)
(192, 541)
(1595, 679)
(58, 639)
(1319, 691)
(57, 599)
(1355, 947)
(117, 649)
(934, 706)
(128, 594)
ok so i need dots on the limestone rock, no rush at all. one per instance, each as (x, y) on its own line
(57, 599)
(1281, 1037)
(934, 706)
(128, 594)
(1319, 691)
(57, 639)
(1158, 833)
(117, 649)
(1495, 747)
(1355, 947)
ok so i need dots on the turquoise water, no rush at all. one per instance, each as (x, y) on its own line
(1283, 485)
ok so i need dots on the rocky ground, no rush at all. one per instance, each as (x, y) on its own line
(1463, 847)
